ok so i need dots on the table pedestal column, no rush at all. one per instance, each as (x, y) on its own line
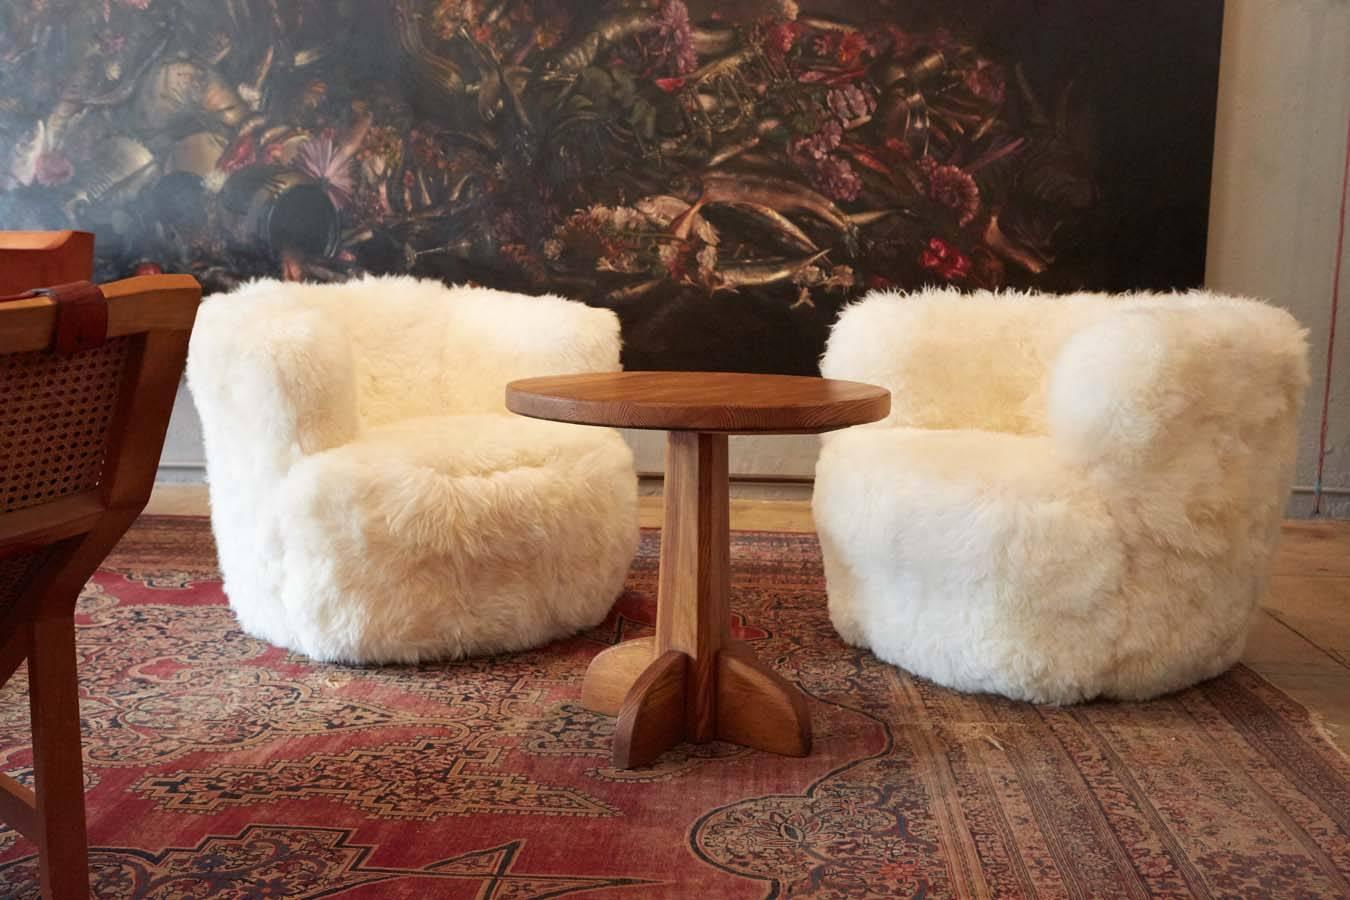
(692, 681)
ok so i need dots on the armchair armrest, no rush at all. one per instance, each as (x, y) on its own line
(273, 381)
(1199, 378)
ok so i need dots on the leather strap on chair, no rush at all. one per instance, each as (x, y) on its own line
(81, 314)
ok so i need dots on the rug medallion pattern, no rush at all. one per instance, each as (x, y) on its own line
(220, 767)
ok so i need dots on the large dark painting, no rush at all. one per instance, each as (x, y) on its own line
(725, 175)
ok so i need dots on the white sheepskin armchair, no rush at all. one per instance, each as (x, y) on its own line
(1073, 497)
(371, 498)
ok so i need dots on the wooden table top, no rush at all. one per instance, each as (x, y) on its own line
(723, 402)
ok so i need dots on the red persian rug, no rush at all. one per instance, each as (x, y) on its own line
(218, 767)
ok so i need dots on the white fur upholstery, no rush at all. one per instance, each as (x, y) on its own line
(1072, 497)
(371, 498)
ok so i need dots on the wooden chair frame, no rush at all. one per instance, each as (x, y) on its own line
(157, 314)
(30, 259)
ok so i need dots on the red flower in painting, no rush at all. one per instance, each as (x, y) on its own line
(243, 152)
(852, 46)
(846, 48)
(945, 260)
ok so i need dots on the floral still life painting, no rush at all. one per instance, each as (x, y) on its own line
(725, 176)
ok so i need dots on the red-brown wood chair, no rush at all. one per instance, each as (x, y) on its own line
(80, 437)
(30, 259)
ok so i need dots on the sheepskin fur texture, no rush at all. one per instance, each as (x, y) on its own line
(1073, 497)
(372, 499)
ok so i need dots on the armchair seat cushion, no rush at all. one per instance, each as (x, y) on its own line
(446, 537)
(973, 557)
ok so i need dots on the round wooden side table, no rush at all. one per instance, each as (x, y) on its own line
(692, 681)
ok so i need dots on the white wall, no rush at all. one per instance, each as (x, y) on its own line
(1275, 210)
(1284, 103)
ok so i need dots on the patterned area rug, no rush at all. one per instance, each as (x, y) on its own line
(220, 767)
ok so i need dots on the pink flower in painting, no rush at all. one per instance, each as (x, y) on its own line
(676, 36)
(136, 4)
(953, 188)
(850, 102)
(818, 146)
(319, 159)
(830, 175)
(835, 178)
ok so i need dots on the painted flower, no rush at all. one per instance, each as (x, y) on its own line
(820, 145)
(830, 175)
(843, 47)
(241, 153)
(945, 261)
(850, 102)
(952, 187)
(852, 46)
(323, 162)
(675, 37)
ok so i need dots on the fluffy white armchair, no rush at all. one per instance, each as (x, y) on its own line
(1073, 497)
(371, 498)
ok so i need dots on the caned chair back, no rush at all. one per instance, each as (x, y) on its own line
(81, 433)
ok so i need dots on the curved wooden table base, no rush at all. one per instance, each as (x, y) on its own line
(692, 682)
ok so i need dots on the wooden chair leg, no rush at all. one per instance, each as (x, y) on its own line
(57, 766)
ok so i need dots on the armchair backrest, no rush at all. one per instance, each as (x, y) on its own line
(421, 348)
(989, 361)
(307, 366)
(1189, 400)
(953, 360)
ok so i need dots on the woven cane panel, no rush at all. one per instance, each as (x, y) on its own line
(16, 572)
(54, 417)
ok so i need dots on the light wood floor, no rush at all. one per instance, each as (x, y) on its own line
(1301, 641)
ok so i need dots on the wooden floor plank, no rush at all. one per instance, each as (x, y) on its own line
(1317, 608)
(1316, 547)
